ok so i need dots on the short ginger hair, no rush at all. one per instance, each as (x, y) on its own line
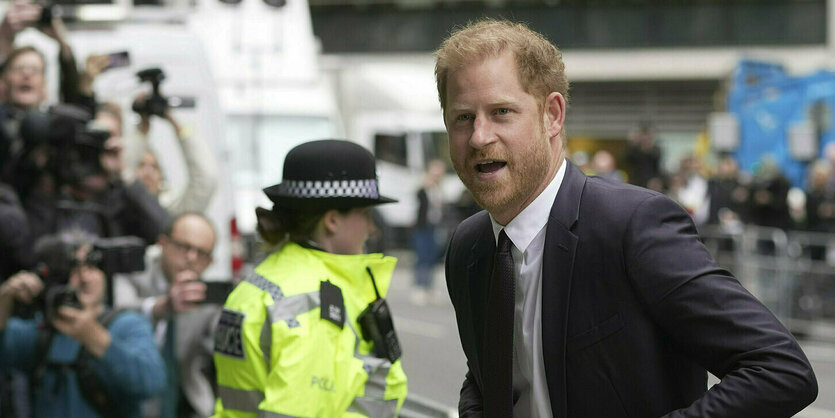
(538, 61)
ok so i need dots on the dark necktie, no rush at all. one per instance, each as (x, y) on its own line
(169, 354)
(497, 364)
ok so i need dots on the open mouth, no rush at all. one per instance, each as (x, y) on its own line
(488, 167)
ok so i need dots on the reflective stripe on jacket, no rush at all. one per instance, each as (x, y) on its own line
(277, 357)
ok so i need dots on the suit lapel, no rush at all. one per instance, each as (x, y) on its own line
(478, 280)
(557, 266)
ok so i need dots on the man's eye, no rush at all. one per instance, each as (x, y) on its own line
(465, 117)
(502, 111)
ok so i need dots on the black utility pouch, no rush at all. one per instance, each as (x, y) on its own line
(377, 326)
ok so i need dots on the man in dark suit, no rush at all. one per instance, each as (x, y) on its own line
(599, 299)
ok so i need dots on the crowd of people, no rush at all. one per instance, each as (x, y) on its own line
(720, 193)
(712, 189)
(101, 301)
(102, 297)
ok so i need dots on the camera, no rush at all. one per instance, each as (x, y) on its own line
(58, 296)
(56, 260)
(72, 150)
(57, 257)
(377, 326)
(118, 255)
(156, 104)
(48, 11)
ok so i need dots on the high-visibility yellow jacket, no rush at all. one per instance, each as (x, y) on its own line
(278, 355)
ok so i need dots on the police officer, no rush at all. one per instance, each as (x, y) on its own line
(296, 337)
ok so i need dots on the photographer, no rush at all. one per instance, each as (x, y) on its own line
(14, 234)
(109, 118)
(78, 191)
(84, 360)
(170, 294)
(22, 14)
(23, 79)
(142, 164)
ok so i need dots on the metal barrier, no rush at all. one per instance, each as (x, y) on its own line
(791, 272)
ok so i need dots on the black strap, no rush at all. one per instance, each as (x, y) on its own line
(91, 387)
(42, 344)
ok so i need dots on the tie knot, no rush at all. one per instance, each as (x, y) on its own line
(503, 246)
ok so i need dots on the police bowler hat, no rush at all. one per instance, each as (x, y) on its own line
(327, 174)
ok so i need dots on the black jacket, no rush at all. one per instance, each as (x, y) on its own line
(15, 238)
(122, 210)
(634, 310)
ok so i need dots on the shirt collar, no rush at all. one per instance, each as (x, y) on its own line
(526, 225)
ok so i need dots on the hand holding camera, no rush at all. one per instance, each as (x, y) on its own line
(23, 287)
(26, 288)
(141, 104)
(20, 15)
(185, 294)
(74, 313)
(82, 326)
(154, 104)
(68, 315)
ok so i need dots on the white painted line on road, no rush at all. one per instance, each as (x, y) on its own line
(815, 413)
(418, 327)
(819, 352)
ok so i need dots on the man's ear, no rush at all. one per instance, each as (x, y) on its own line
(162, 240)
(554, 114)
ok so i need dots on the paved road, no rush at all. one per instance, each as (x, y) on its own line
(435, 363)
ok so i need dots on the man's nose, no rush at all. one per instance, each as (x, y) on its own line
(192, 255)
(483, 133)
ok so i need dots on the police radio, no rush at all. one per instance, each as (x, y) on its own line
(376, 325)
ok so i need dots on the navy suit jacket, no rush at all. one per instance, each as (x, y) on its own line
(634, 311)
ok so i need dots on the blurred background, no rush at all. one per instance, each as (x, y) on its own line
(725, 105)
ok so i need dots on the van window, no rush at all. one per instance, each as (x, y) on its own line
(436, 146)
(391, 148)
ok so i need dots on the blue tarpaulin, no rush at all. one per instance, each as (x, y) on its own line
(768, 102)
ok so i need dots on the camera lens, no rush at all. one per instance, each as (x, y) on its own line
(58, 296)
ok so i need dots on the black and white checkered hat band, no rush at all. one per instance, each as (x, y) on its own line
(336, 188)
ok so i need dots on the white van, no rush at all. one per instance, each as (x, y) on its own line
(390, 106)
(180, 54)
(271, 90)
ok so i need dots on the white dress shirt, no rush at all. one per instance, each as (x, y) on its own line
(527, 232)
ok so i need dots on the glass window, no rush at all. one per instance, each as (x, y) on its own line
(436, 147)
(391, 148)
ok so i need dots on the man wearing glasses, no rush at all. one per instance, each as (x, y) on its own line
(169, 293)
